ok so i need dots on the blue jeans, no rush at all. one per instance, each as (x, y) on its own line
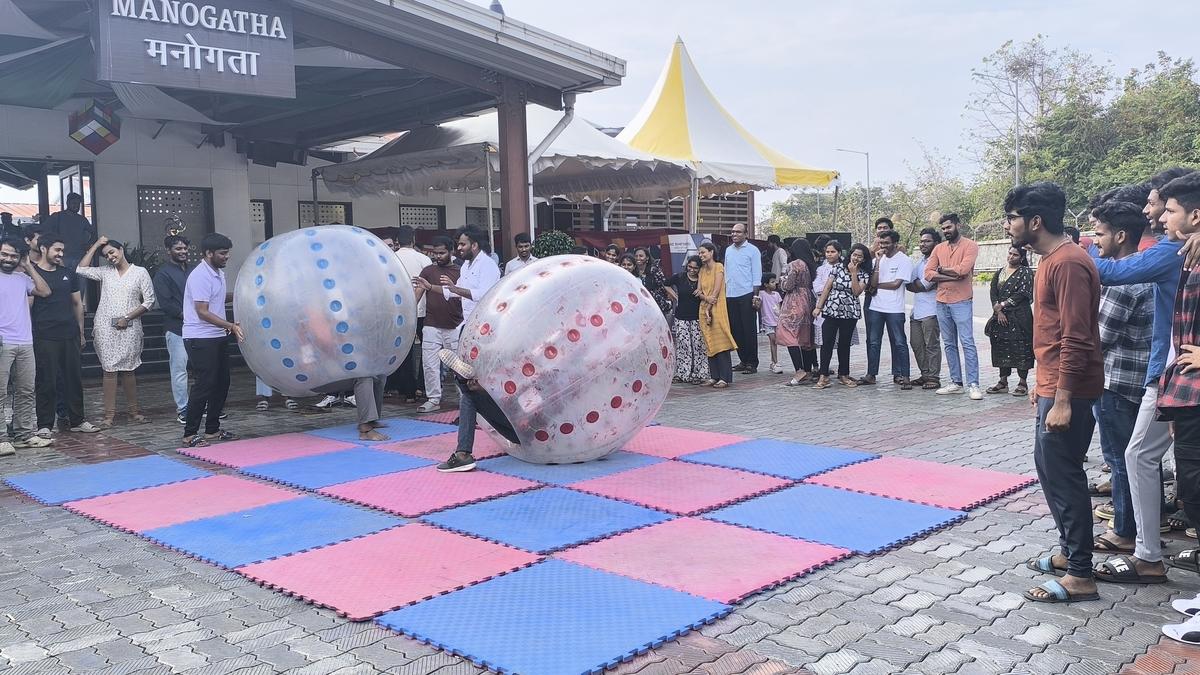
(876, 321)
(957, 324)
(179, 375)
(1116, 418)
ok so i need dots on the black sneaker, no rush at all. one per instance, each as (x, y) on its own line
(181, 417)
(458, 462)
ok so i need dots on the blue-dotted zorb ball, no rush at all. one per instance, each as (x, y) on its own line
(322, 305)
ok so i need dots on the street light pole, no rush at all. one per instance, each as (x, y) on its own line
(868, 156)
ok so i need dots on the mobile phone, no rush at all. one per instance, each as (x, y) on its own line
(115, 322)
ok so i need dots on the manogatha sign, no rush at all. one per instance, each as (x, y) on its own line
(234, 46)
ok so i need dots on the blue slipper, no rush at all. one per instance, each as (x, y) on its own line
(1045, 565)
(1059, 594)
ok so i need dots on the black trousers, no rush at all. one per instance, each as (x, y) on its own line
(836, 332)
(803, 359)
(720, 367)
(407, 379)
(209, 360)
(58, 366)
(743, 323)
(1059, 458)
(1187, 460)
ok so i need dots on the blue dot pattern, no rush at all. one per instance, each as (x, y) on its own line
(288, 363)
(350, 365)
(335, 306)
(266, 322)
(342, 327)
(329, 284)
(347, 348)
(276, 344)
(322, 263)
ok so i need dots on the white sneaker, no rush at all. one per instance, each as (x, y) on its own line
(349, 400)
(430, 406)
(949, 389)
(85, 428)
(44, 433)
(1187, 632)
(1187, 606)
(7, 449)
(328, 401)
(776, 368)
(975, 392)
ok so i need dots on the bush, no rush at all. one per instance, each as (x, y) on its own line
(553, 243)
(984, 277)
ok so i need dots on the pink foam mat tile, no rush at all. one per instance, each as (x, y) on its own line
(932, 483)
(251, 451)
(443, 445)
(448, 417)
(420, 491)
(672, 442)
(682, 488)
(150, 508)
(364, 577)
(713, 560)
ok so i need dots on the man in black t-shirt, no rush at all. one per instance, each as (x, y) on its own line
(58, 341)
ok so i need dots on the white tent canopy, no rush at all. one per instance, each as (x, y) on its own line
(582, 163)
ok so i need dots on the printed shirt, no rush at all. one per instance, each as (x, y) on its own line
(204, 284)
(1126, 324)
(1179, 389)
(743, 269)
(842, 303)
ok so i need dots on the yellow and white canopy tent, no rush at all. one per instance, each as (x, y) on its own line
(683, 121)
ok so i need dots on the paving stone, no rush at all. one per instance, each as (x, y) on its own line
(24, 652)
(1041, 635)
(837, 662)
(83, 660)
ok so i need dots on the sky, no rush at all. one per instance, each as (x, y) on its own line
(882, 77)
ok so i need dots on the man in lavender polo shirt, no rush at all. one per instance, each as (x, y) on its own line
(205, 333)
(18, 280)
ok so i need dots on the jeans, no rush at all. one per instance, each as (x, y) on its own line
(479, 403)
(743, 323)
(1143, 456)
(958, 325)
(1117, 416)
(179, 372)
(210, 362)
(262, 388)
(17, 362)
(433, 340)
(876, 321)
(1059, 458)
(839, 333)
(927, 347)
(59, 378)
(1187, 461)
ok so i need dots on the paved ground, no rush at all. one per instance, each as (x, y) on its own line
(78, 597)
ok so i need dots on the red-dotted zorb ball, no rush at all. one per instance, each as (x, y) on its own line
(575, 352)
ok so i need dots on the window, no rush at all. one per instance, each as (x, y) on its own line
(423, 217)
(329, 212)
(173, 210)
(477, 218)
(260, 217)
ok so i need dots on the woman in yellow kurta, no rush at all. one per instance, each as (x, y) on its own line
(714, 317)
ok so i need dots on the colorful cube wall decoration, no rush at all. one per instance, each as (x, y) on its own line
(96, 127)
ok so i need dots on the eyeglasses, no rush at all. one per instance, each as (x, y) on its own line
(1009, 217)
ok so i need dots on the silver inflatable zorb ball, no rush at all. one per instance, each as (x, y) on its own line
(575, 352)
(322, 305)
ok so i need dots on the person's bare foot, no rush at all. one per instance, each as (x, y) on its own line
(366, 432)
(377, 424)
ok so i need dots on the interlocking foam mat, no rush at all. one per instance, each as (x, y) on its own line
(671, 442)
(318, 471)
(952, 487)
(150, 508)
(419, 491)
(441, 446)
(94, 480)
(859, 522)
(779, 458)
(364, 577)
(722, 562)
(680, 487)
(397, 429)
(545, 520)
(572, 619)
(251, 451)
(565, 474)
(270, 531)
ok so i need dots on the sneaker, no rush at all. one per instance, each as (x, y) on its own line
(33, 442)
(328, 401)
(181, 416)
(291, 404)
(85, 428)
(222, 415)
(263, 405)
(1187, 632)
(458, 462)
(975, 392)
(951, 388)
(430, 406)
(45, 433)
(7, 449)
(349, 401)
(776, 368)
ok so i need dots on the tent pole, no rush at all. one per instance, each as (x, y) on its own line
(487, 172)
(835, 207)
(608, 211)
(693, 224)
(316, 208)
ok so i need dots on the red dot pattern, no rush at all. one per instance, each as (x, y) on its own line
(593, 417)
(615, 402)
(474, 353)
(485, 329)
(633, 298)
(573, 335)
(665, 352)
(510, 387)
(637, 386)
(617, 308)
(597, 320)
(551, 352)
(566, 428)
(528, 370)
(542, 436)
(653, 369)
(501, 307)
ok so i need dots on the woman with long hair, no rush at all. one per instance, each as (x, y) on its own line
(691, 356)
(126, 293)
(626, 262)
(1011, 327)
(651, 274)
(840, 307)
(714, 317)
(795, 330)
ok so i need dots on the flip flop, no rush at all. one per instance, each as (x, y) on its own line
(1123, 570)
(1105, 545)
(1188, 559)
(1187, 632)
(1045, 565)
(1058, 594)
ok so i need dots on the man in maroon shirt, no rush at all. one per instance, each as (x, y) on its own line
(1070, 377)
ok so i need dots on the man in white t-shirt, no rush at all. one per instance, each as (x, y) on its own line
(925, 335)
(406, 379)
(892, 271)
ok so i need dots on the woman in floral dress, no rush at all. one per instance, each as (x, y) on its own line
(691, 356)
(795, 330)
(126, 293)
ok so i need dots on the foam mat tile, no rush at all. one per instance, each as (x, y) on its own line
(671, 442)
(779, 458)
(318, 471)
(397, 429)
(419, 491)
(95, 480)
(945, 485)
(681, 487)
(565, 474)
(251, 451)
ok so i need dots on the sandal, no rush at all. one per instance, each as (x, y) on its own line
(1185, 560)
(1020, 390)
(720, 384)
(847, 381)
(1100, 489)
(222, 435)
(1045, 565)
(262, 406)
(291, 404)
(1105, 545)
(998, 388)
(138, 418)
(1058, 594)
(823, 383)
(196, 441)
(1178, 521)
(1123, 570)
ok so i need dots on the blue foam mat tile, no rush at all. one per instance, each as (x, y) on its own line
(554, 618)
(243, 537)
(397, 429)
(318, 471)
(546, 519)
(565, 474)
(57, 486)
(779, 458)
(860, 522)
